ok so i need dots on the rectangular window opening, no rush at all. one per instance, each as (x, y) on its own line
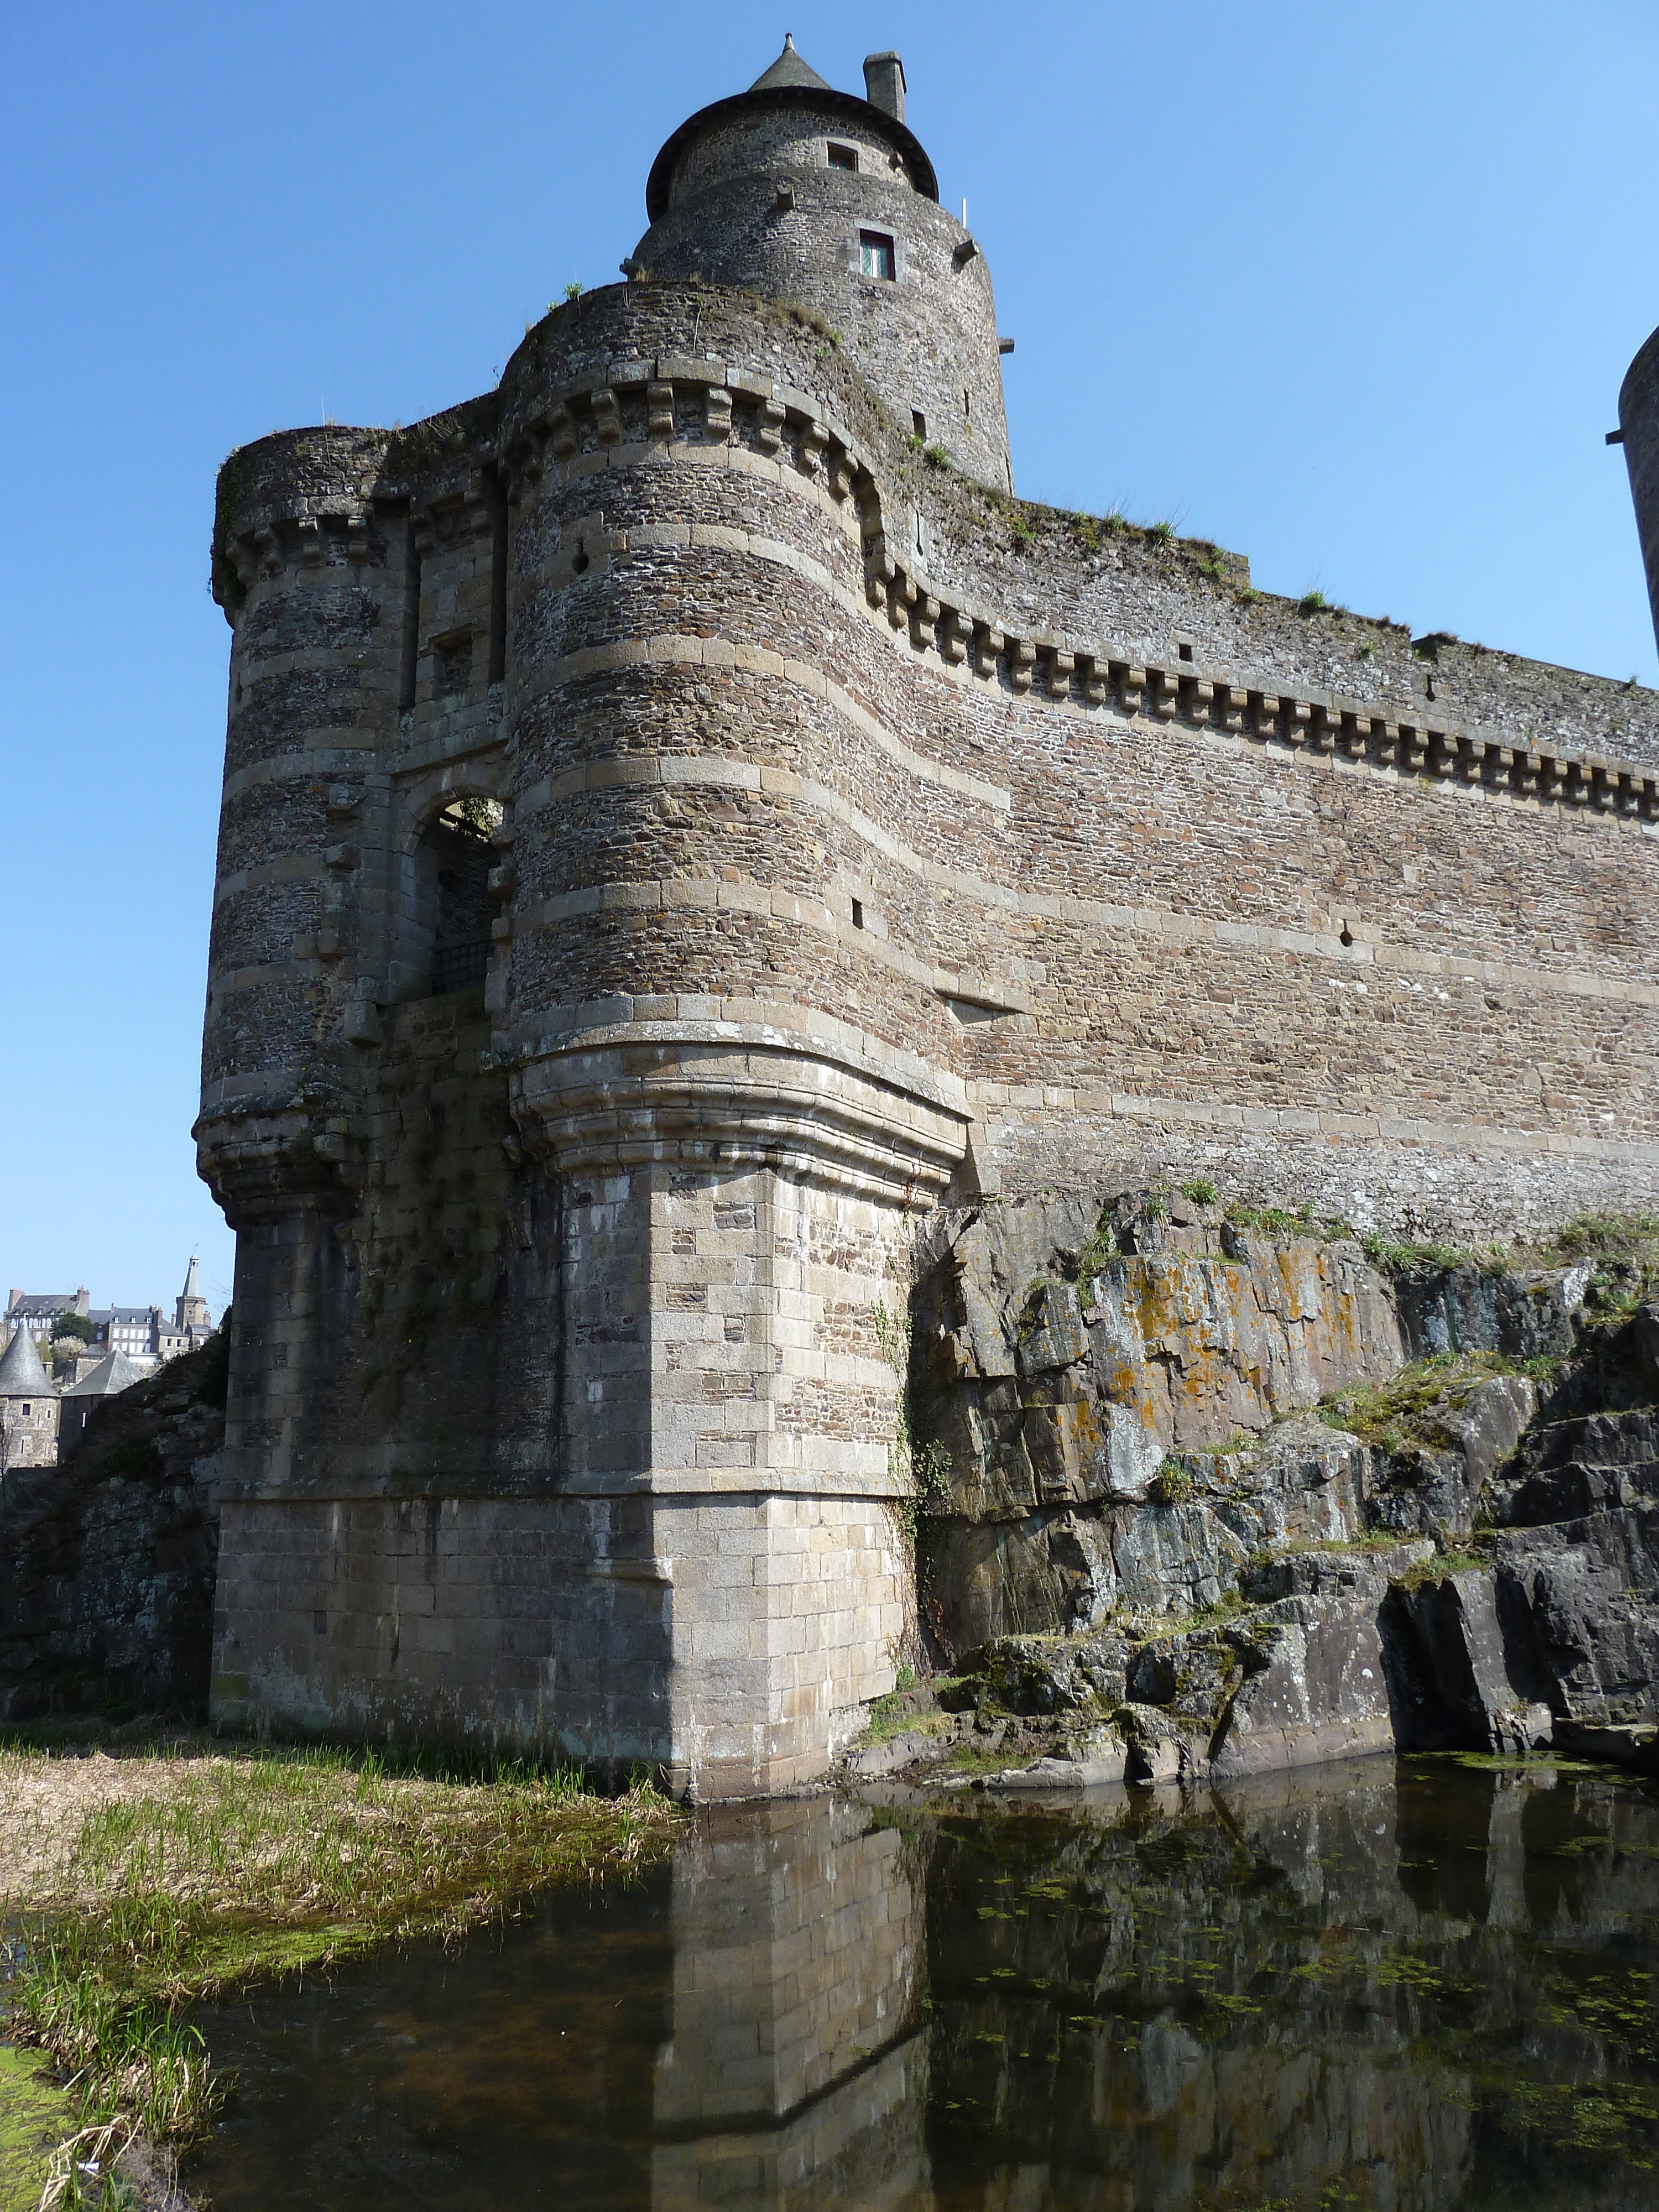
(451, 663)
(858, 914)
(919, 423)
(497, 499)
(843, 157)
(411, 636)
(876, 255)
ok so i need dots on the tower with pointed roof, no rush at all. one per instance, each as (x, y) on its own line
(821, 199)
(687, 828)
(28, 1407)
(191, 1313)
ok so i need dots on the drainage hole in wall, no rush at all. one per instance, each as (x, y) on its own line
(579, 563)
(1348, 934)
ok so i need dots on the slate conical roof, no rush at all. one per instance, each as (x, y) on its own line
(192, 1281)
(789, 69)
(114, 1373)
(789, 81)
(21, 1374)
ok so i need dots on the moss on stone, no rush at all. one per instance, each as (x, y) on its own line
(1406, 1411)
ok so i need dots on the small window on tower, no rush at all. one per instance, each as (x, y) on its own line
(919, 423)
(876, 255)
(843, 157)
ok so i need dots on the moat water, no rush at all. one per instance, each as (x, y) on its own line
(1408, 1985)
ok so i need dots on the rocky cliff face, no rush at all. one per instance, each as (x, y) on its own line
(1211, 1493)
(106, 1563)
(1200, 1495)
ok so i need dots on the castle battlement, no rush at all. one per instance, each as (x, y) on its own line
(684, 820)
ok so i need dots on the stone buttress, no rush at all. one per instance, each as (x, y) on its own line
(658, 860)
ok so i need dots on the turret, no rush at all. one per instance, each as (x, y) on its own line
(817, 198)
(1638, 433)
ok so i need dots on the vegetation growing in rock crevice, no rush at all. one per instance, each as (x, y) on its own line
(1172, 1484)
(919, 1463)
(1405, 1411)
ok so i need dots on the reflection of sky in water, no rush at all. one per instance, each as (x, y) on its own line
(1407, 1989)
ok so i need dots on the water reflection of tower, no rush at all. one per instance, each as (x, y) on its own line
(796, 2069)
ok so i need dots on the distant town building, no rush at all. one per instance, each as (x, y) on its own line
(192, 1324)
(66, 1373)
(192, 1309)
(28, 1407)
(38, 1311)
(134, 1330)
(146, 1335)
(114, 1372)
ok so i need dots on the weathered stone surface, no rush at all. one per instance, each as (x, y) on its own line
(1093, 1761)
(1127, 1455)
(1580, 1467)
(1580, 1604)
(1196, 1329)
(1159, 1749)
(1176, 1559)
(986, 1579)
(1051, 1331)
(107, 1562)
(1469, 1307)
(1302, 1484)
(1204, 1346)
(1045, 1675)
(1313, 1686)
(1310, 1574)
(1436, 1486)
(1448, 1669)
(1346, 1641)
(1189, 1677)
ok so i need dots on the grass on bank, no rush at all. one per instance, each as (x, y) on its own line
(205, 1871)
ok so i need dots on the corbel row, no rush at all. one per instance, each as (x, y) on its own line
(302, 541)
(1408, 744)
(649, 399)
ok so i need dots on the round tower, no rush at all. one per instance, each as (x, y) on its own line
(805, 194)
(1638, 433)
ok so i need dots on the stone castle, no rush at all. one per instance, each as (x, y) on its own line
(685, 821)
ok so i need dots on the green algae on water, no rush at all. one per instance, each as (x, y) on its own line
(36, 2116)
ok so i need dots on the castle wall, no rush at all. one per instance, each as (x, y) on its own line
(849, 851)
(1321, 947)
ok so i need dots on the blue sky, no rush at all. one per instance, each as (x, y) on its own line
(1350, 289)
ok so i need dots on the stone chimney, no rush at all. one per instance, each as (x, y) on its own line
(883, 84)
